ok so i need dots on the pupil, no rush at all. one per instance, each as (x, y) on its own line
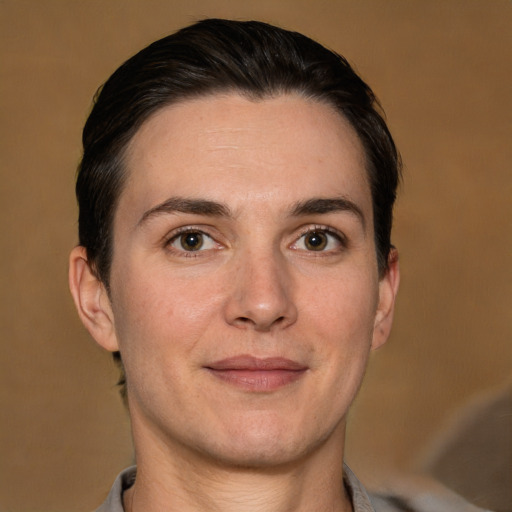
(192, 241)
(316, 241)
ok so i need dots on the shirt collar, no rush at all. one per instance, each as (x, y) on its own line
(114, 502)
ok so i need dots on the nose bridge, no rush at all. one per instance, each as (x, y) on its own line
(262, 294)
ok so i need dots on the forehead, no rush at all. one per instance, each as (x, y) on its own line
(246, 151)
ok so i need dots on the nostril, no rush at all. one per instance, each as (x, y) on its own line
(247, 321)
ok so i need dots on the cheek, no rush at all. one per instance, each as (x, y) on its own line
(343, 317)
(161, 311)
(344, 308)
(339, 316)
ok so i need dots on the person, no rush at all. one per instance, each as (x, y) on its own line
(235, 207)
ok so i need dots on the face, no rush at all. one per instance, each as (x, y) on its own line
(245, 295)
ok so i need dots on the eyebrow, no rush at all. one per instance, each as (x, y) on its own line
(184, 205)
(319, 206)
(314, 206)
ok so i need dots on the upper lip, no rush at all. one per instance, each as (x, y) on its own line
(247, 362)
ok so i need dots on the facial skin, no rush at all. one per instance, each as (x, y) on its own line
(285, 281)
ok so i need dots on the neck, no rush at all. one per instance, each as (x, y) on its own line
(189, 482)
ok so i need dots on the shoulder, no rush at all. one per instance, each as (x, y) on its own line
(420, 494)
(416, 493)
(114, 501)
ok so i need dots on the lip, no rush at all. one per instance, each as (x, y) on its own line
(257, 374)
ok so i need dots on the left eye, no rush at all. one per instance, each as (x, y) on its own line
(192, 241)
(318, 240)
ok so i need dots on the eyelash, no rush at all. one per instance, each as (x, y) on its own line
(340, 238)
(181, 231)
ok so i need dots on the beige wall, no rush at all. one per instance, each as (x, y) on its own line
(442, 71)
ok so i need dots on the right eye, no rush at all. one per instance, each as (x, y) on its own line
(319, 240)
(191, 241)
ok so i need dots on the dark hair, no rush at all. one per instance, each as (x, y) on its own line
(214, 55)
(252, 58)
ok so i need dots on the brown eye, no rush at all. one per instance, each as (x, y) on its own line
(315, 241)
(191, 241)
(321, 240)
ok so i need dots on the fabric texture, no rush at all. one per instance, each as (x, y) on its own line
(114, 501)
(406, 498)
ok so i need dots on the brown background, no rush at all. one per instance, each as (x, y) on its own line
(442, 71)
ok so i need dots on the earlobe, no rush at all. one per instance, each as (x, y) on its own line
(91, 300)
(388, 288)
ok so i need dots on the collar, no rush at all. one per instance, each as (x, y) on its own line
(114, 502)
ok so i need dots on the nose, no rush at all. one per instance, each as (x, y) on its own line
(261, 295)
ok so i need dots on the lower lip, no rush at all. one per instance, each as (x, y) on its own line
(258, 380)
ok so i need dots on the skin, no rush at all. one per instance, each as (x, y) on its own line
(278, 275)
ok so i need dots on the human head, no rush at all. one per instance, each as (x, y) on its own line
(252, 58)
(245, 296)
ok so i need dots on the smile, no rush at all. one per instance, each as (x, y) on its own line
(255, 374)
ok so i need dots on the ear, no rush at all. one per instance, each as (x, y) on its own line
(91, 300)
(388, 288)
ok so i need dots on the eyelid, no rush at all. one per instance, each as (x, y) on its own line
(328, 230)
(321, 227)
(189, 228)
(206, 231)
(172, 236)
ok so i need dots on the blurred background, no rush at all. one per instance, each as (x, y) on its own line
(442, 72)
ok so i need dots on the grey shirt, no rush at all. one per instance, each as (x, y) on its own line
(361, 500)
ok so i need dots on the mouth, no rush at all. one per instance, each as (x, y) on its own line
(256, 374)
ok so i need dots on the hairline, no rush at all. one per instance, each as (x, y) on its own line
(255, 96)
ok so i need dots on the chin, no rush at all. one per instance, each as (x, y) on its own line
(256, 457)
(264, 446)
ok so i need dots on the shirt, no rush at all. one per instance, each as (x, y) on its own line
(114, 502)
(416, 501)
